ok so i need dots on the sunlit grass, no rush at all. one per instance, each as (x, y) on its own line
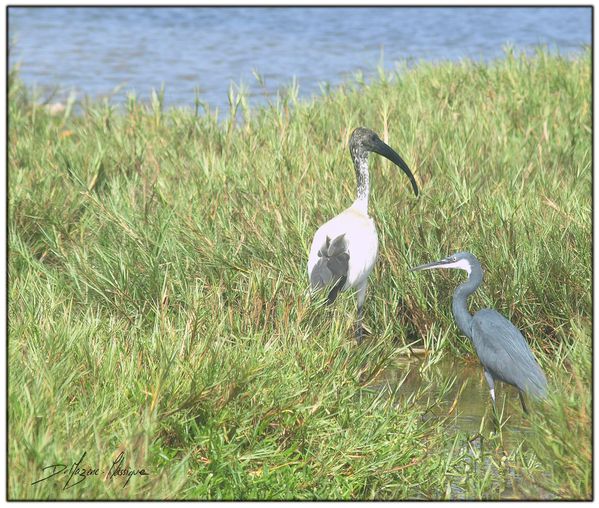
(157, 286)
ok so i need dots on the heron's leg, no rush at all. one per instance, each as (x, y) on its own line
(361, 297)
(491, 383)
(522, 402)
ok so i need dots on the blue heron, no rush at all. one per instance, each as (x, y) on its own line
(344, 249)
(501, 348)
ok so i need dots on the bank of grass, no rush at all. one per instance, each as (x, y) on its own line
(157, 288)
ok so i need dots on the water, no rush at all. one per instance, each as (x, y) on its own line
(454, 389)
(94, 50)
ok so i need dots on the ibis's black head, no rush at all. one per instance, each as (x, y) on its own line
(364, 140)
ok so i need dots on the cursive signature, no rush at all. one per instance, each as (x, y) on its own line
(76, 473)
(117, 469)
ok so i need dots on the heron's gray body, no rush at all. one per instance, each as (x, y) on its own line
(344, 249)
(504, 353)
(500, 347)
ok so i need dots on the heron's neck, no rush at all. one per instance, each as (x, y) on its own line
(363, 181)
(459, 305)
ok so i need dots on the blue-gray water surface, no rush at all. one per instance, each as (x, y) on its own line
(92, 51)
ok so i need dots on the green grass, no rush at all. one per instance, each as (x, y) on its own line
(157, 286)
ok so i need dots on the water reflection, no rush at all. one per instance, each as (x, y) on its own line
(455, 388)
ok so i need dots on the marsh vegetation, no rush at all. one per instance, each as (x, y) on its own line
(157, 283)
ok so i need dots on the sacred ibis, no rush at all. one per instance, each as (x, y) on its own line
(345, 248)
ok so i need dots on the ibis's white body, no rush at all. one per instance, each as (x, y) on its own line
(362, 243)
(345, 248)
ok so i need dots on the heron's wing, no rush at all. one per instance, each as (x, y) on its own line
(332, 267)
(504, 352)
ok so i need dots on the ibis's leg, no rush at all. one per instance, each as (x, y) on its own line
(522, 402)
(361, 297)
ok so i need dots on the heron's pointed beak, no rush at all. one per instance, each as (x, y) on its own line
(388, 152)
(429, 266)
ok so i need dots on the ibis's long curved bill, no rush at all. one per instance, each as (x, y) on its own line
(388, 152)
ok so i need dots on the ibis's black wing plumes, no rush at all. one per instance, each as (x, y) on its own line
(332, 267)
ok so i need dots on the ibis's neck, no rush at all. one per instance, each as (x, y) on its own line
(363, 181)
(460, 300)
